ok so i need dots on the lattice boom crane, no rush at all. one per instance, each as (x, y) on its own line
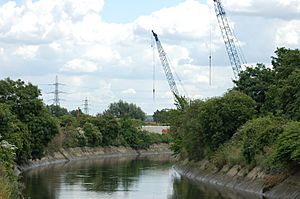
(166, 65)
(229, 39)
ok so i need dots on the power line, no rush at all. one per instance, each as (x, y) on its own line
(56, 92)
(86, 106)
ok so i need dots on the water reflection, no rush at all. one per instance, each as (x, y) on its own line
(127, 177)
(187, 189)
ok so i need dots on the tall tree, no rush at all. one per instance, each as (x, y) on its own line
(23, 98)
(162, 116)
(57, 111)
(205, 125)
(283, 95)
(285, 62)
(123, 109)
(24, 102)
(255, 82)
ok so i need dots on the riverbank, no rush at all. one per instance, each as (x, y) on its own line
(254, 181)
(82, 153)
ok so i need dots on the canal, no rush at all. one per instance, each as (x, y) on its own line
(117, 178)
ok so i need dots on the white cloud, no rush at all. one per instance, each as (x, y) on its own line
(283, 9)
(102, 60)
(79, 65)
(130, 91)
(237, 4)
(27, 52)
(175, 20)
(101, 53)
(289, 34)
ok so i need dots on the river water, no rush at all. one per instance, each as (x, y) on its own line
(117, 178)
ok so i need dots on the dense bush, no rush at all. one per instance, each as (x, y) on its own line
(223, 129)
(269, 142)
(162, 116)
(287, 148)
(92, 134)
(116, 132)
(206, 125)
(123, 109)
(24, 119)
(73, 137)
(9, 185)
(33, 129)
(257, 136)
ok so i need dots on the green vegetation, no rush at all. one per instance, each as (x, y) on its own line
(105, 130)
(254, 124)
(124, 109)
(257, 123)
(29, 129)
(26, 127)
(8, 181)
(206, 125)
(24, 119)
(162, 116)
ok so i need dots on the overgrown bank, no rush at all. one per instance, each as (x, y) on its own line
(30, 130)
(82, 153)
(254, 181)
(254, 125)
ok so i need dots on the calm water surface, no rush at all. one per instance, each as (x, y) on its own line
(116, 178)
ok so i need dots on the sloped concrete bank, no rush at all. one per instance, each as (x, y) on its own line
(84, 153)
(252, 182)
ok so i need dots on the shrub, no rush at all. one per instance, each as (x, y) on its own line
(287, 148)
(74, 137)
(9, 185)
(93, 135)
(205, 126)
(257, 135)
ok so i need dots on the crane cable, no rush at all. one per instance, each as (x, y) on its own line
(210, 58)
(177, 76)
(153, 65)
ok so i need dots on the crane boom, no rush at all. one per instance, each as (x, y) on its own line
(228, 38)
(166, 65)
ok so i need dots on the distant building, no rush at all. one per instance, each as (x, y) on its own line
(157, 129)
(149, 118)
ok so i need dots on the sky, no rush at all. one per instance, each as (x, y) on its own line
(102, 49)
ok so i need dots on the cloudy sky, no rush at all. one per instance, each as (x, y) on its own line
(101, 49)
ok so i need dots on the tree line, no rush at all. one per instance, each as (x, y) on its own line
(29, 129)
(256, 123)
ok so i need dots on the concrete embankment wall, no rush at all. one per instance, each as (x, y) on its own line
(81, 153)
(253, 182)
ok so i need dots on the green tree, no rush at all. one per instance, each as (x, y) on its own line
(287, 99)
(57, 111)
(287, 148)
(257, 136)
(93, 135)
(123, 109)
(130, 133)
(15, 132)
(181, 102)
(42, 129)
(285, 62)
(22, 98)
(204, 126)
(76, 113)
(162, 116)
(67, 120)
(33, 127)
(109, 127)
(255, 82)
(279, 100)
(9, 186)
